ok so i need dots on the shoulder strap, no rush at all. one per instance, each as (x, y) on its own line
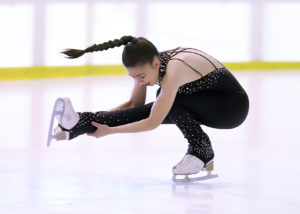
(175, 51)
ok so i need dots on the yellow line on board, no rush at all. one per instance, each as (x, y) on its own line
(259, 65)
(37, 72)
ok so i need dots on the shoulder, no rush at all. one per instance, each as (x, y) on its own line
(173, 77)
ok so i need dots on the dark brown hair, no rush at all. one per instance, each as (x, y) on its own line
(137, 51)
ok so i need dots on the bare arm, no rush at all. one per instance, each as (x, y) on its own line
(138, 95)
(159, 110)
(137, 98)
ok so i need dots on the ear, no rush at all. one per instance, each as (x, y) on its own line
(156, 62)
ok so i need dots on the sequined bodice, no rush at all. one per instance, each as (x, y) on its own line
(164, 59)
(204, 83)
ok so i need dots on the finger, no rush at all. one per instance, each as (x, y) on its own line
(95, 124)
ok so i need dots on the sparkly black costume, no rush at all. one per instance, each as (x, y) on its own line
(215, 100)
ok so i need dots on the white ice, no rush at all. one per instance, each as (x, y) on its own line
(257, 163)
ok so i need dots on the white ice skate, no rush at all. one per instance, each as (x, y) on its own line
(66, 116)
(192, 165)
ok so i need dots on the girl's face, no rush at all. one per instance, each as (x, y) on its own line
(146, 74)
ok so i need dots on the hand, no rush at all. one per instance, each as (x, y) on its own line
(101, 131)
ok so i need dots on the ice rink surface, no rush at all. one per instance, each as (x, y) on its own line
(257, 163)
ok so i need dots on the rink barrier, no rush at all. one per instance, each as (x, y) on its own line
(39, 72)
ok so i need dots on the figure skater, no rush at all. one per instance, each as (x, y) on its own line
(195, 89)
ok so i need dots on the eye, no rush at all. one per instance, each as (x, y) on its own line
(141, 77)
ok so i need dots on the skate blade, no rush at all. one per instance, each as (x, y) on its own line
(54, 113)
(187, 179)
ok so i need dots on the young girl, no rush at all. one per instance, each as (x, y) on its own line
(195, 89)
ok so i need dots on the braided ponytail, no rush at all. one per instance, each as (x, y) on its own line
(74, 53)
(137, 51)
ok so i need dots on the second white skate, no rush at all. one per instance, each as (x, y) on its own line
(192, 165)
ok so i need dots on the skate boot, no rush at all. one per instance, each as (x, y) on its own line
(192, 165)
(65, 115)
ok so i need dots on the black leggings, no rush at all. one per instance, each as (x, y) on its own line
(217, 108)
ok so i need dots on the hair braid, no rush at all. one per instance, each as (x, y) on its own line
(74, 53)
